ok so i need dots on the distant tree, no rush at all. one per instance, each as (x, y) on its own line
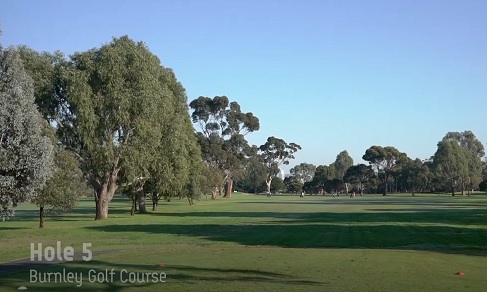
(359, 174)
(222, 130)
(414, 175)
(254, 173)
(294, 185)
(26, 154)
(278, 185)
(303, 172)
(276, 152)
(212, 178)
(386, 160)
(323, 174)
(63, 190)
(342, 162)
(474, 151)
(450, 163)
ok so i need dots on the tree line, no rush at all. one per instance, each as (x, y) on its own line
(456, 166)
(113, 120)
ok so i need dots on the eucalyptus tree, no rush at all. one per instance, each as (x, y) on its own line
(321, 178)
(359, 174)
(294, 185)
(303, 172)
(26, 154)
(222, 130)
(63, 190)
(119, 110)
(386, 161)
(474, 151)
(276, 152)
(414, 176)
(450, 163)
(254, 172)
(342, 162)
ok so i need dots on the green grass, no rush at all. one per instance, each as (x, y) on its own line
(283, 243)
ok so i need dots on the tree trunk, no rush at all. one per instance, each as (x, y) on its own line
(41, 217)
(134, 204)
(229, 188)
(142, 209)
(155, 201)
(268, 183)
(104, 194)
(214, 193)
(452, 189)
(346, 187)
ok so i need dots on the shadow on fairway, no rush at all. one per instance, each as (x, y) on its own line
(182, 273)
(443, 215)
(440, 231)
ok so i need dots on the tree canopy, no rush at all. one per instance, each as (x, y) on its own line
(26, 154)
(276, 152)
(121, 112)
(222, 130)
(386, 160)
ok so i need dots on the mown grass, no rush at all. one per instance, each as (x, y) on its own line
(250, 243)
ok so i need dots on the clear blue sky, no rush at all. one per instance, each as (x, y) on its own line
(328, 75)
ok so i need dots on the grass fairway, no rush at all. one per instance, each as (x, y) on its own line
(255, 243)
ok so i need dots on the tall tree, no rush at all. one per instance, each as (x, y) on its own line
(276, 152)
(46, 69)
(222, 130)
(255, 173)
(303, 172)
(474, 153)
(450, 163)
(342, 162)
(323, 175)
(360, 174)
(294, 185)
(26, 154)
(114, 107)
(414, 175)
(386, 160)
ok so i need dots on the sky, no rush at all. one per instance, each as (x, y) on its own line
(329, 75)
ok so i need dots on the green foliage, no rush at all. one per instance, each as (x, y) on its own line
(223, 127)
(274, 153)
(63, 190)
(474, 151)
(46, 70)
(322, 177)
(450, 163)
(414, 176)
(342, 162)
(387, 160)
(294, 185)
(303, 172)
(277, 185)
(122, 113)
(25, 153)
(360, 174)
(254, 176)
